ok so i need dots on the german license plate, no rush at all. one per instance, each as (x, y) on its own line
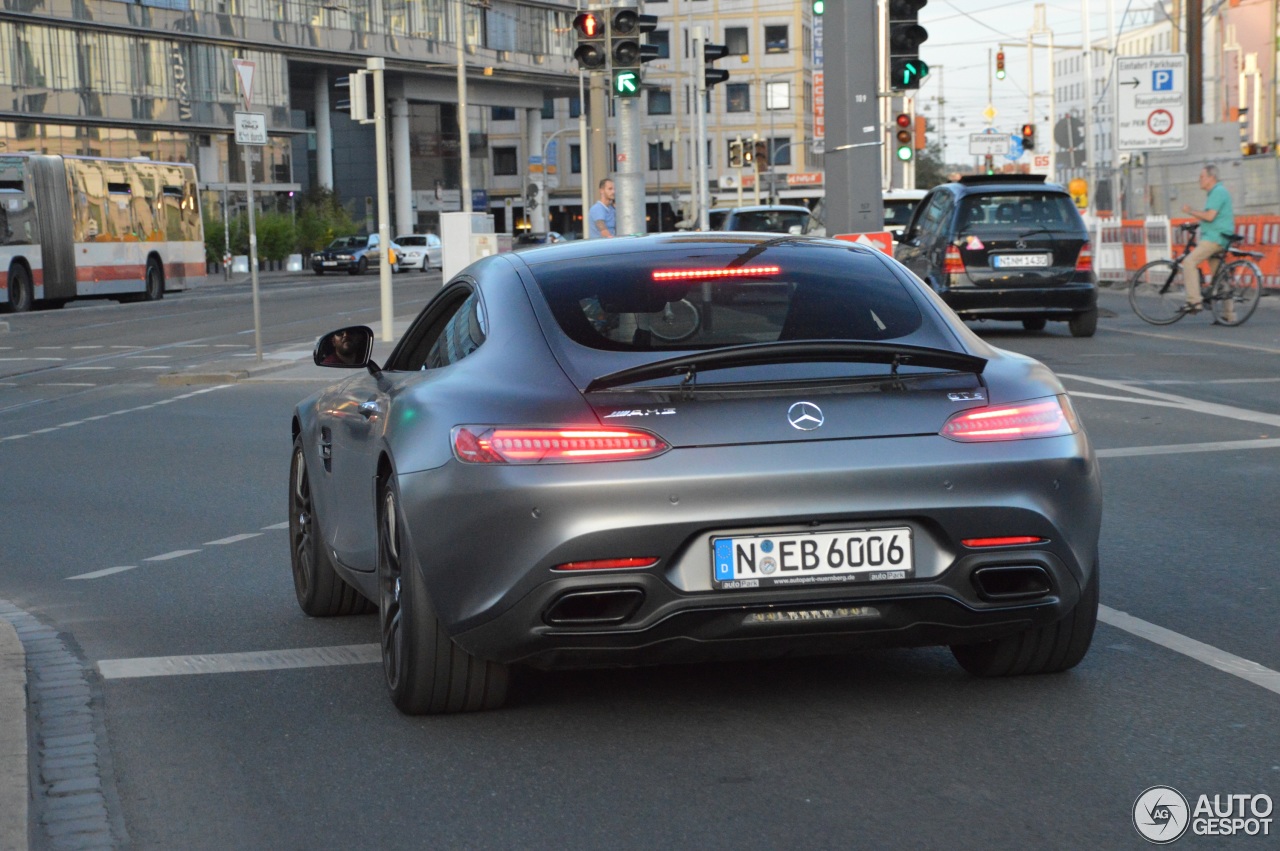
(1019, 261)
(329, 263)
(813, 558)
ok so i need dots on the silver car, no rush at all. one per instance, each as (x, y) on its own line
(418, 251)
(578, 456)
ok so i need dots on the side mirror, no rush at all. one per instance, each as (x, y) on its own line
(346, 348)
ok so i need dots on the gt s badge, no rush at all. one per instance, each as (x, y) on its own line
(641, 412)
(966, 396)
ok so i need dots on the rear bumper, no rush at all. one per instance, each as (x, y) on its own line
(1057, 302)
(489, 538)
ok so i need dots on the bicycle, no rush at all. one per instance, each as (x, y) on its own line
(1157, 291)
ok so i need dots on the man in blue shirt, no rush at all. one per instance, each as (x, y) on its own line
(603, 218)
(1217, 222)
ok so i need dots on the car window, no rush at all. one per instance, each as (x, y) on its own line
(770, 221)
(1020, 210)
(433, 241)
(898, 212)
(726, 296)
(413, 240)
(451, 328)
(936, 213)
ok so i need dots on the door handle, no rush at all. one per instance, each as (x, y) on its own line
(369, 409)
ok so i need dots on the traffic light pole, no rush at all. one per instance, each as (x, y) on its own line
(854, 134)
(629, 177)
(700, 133)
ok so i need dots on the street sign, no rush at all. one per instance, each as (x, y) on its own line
(1151, 102)
(244, 73)
(251, 128)
(882, 240)
(989, 144)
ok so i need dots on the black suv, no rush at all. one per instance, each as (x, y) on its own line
(1005, 247)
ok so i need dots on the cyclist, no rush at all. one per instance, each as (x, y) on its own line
(1217, 222)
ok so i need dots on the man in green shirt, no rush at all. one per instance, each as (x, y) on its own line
(1217, 222)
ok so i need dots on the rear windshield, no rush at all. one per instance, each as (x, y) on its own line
(1001, 211)
(769, 221)
(736, 294)
(412, 240)
(897, 213)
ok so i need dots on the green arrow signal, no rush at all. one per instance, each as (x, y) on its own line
(912, 72)
(626, 84)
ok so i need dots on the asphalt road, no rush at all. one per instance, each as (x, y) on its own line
(145, 521)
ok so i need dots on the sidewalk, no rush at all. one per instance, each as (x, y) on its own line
(13, 740)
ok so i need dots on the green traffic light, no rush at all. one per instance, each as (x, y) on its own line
(1000, 74)
(626, 84)
(904, 152)
(913, 72)
(818, 7)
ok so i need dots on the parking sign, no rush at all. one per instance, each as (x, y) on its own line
(1151, 102)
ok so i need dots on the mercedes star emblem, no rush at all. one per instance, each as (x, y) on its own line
(805, 416)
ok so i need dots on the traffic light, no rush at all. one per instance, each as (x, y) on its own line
(1000, 65)
(904, 138)
(735, 153)
(590, 52)
(353, 94)
(1028, 137)
(922, 127)
(818, 8)
(628, 54)
(748, 155)
(905, 37)
(710, 53)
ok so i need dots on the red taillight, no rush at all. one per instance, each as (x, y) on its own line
(1042, 418)
(953, 263)
(1010, 541)
(704, 274)
(504, 445)
(1084, 260)
(608, 564)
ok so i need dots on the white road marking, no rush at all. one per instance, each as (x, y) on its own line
(88, 347)
(1168, 338)
(284, 525)
(149, 357)
(1198, 650)
(233, 539)
(69, 384)
(1178, 449)
(70, 424)
(87, 368)
(96, 574)
(232, 663)
(1195, 405)
(174, 554)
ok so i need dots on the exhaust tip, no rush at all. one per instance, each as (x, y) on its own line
(594, 608)
(1006, 583)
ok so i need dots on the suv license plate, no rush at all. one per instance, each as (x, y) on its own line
(812, 558)
(1019, 261)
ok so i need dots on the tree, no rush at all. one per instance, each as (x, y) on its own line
(931, 167)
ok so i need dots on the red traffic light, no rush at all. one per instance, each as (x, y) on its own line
(903, 120)
(1028, 137)
(589, 24)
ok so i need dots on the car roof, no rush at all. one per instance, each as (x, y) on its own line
(974, 184)
(904, 194)
(582, 249)
(760, 208)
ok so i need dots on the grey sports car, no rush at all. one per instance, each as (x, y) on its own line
(579, 456)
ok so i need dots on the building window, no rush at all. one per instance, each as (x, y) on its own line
(737, 42)
(780, 150)
(737, 97)
(776, 39)
(548, 108)
(777, 95)
(505, 161)
(660, 157)
(659, 101)
(662, 40)
(575, 107)
(575, 159)
(504, 113)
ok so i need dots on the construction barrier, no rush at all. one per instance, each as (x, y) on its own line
(1122, 247)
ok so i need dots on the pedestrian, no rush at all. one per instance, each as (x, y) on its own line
(603, 215)
(1217, 222)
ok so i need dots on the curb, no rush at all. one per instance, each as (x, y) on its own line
(13, 740)
(223, 373)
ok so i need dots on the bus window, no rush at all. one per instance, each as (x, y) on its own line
(171, 212)
(142, 201)
(119, 216)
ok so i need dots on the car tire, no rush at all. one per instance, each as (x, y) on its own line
(1084, 324)
(1034, 324)
(320, 590)
(154, 281)
(1047, 649)
(363, 266)
(21, 296)
(427, 673)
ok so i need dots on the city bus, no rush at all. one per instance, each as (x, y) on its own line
(87, 227)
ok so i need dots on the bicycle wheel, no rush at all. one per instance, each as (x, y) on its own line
(1157, 292)
(1237, 289)
(677, 321)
